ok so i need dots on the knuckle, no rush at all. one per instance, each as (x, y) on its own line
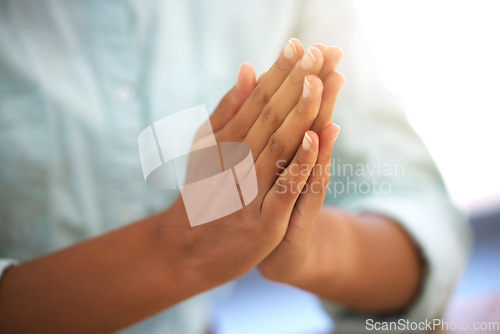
(303, 108)
(300, 108)
(261, 95)
(282, 67)
(300, 162)
(267, 111)
(269, 115)
(275, 146)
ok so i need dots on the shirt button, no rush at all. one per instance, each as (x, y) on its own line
(125, 93)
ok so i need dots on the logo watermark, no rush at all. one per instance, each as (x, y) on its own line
(215, 179)
(406, 325)
(345, 178)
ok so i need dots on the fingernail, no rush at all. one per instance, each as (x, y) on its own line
(289, 51)
(338, 130)
(308, 60)
(341, 53)
(322, 45)
(307, 88)
(306, 142)
(238, 76)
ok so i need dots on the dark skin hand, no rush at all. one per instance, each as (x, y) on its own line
(112, 281)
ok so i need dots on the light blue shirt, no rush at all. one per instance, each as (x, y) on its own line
(79, 80)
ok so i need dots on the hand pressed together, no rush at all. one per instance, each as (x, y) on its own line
(285, 120)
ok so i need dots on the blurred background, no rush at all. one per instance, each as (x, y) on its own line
(443, 58)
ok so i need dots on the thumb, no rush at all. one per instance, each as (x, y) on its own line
(234, 99)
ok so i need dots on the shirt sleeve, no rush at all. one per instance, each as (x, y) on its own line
(381, 165)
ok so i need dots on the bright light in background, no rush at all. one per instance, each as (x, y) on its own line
(443, 58)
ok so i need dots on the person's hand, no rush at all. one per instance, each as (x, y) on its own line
(273, 122)
(294, 259)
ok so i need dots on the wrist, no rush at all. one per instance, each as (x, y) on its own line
(186, 257)
(322, 261)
